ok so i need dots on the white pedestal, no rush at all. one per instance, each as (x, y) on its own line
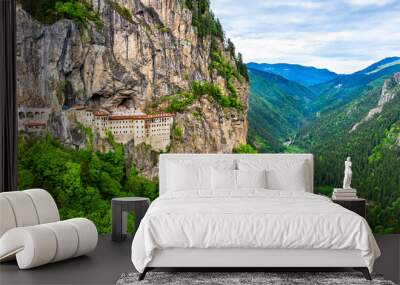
(344, 194)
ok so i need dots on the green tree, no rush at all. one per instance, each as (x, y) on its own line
(244, 148)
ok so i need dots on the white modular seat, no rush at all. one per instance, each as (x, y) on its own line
(31, 231)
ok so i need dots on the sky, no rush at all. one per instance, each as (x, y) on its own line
(341, 35)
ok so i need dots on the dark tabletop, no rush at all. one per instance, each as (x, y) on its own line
(130, 199)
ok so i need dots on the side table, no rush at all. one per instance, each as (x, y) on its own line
(357, 205)
(119, 209)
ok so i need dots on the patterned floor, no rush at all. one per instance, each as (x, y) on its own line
(243, 278)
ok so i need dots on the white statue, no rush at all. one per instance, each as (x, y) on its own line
(347, 173)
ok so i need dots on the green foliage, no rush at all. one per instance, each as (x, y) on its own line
(162, 28)
(223, 67)
(385, 220)
(40, 10)
(225, 101)
(277, 109)
(81, 181)
(231, 48)
(196, 114)
(241, 67)
(293, 149)
(122, 11)
(244, 148)
(345, 89)
(282, 111)
(203, 19)
(140, 186)
(208, 26)
(215, 92)
(88, 134)
(374, 150)
(260, 144)
(181, 101)
(227, 71)
(324, 190)
(78, 11)
(177, 133)
(50, 11)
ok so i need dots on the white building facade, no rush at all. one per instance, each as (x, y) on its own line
(154, 129)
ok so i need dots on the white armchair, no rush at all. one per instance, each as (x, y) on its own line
(31, 230)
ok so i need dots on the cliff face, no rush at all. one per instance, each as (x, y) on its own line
(389, 91)
(132, 60)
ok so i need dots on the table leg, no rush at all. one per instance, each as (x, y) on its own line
(124, 221)
(140, 211)
(117, 222)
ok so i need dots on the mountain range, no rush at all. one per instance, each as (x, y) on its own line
(304, 75)
(280, 104)
(355, 115)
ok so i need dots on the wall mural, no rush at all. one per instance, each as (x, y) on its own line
(105, 86)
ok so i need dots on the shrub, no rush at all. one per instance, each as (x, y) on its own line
(180, 102)
(196, 114)
(77, 11)
(203, 19)
(50, 11)
(122, 11)
(244, 148)
(162, 28)
(177, 133)
(200, 88)
(241, 67)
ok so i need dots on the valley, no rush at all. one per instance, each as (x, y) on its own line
(355, 115)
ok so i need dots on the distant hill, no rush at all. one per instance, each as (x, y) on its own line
(345, 88)
(304, 75)
(382, 64)
(277, 107)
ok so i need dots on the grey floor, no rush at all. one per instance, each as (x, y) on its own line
(110, 260)
(104, 266)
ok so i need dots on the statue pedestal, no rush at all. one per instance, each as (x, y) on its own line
(344, 194)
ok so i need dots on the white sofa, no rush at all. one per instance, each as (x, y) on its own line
(31, 231)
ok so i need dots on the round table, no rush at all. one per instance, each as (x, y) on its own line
(120, 207)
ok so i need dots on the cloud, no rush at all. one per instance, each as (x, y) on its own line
(340, 35)
(370, 2)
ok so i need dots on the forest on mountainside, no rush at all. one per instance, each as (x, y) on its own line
(82, 182)
(327, 133)
(375, 151)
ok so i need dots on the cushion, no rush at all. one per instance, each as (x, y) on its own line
(251, 178)
(223, 179)
(188, 177)
(281, 175)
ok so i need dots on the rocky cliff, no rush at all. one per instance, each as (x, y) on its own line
(143, 51)
(389, 91)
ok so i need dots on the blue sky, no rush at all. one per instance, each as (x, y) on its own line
(341, 35)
